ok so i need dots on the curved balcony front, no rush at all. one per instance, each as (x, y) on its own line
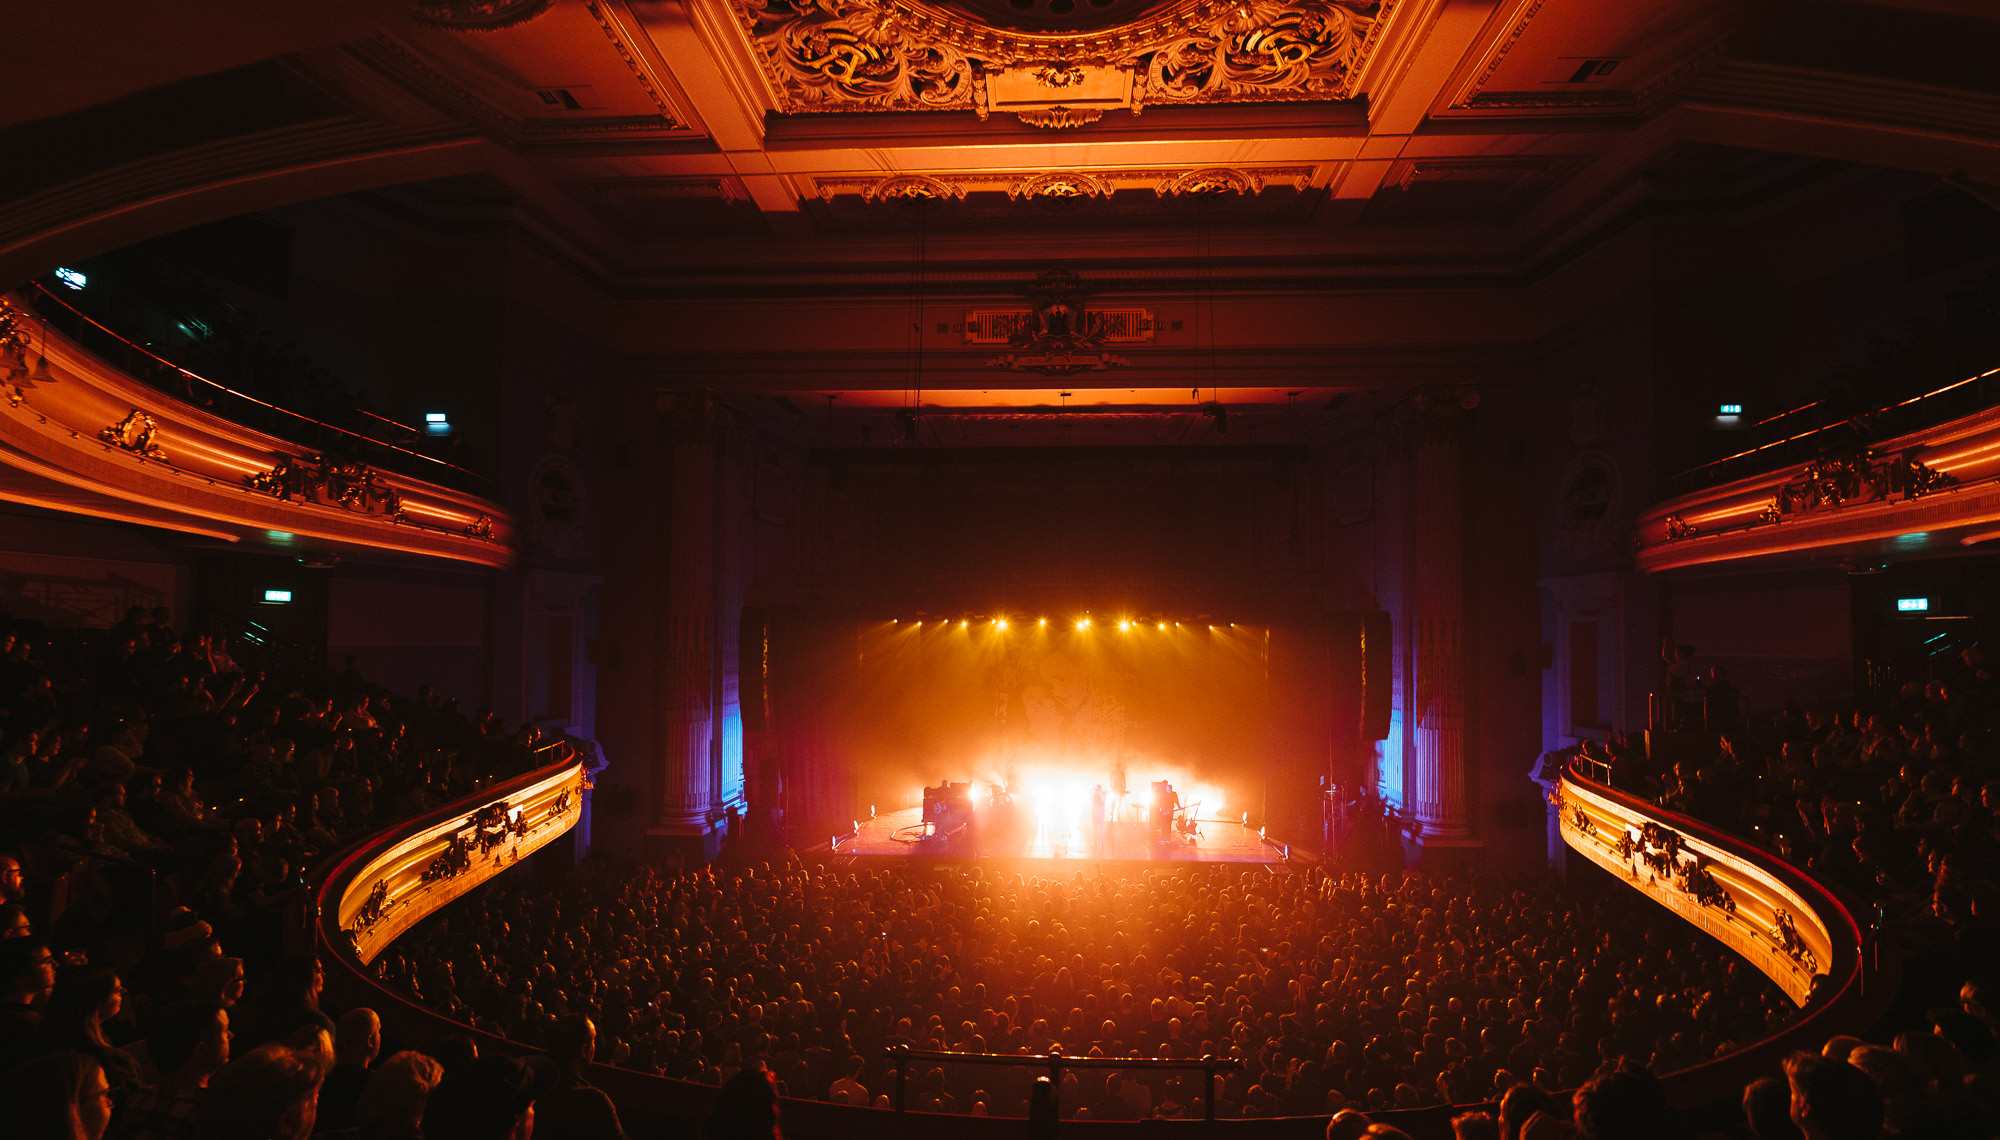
(1790, 927)
(1928, 491)
(79, 436)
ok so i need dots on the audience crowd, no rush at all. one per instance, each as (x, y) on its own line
(160, 801)
(1330, 990)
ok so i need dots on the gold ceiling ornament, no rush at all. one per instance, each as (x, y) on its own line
(1212, 180)
(477, 15)
(912, 187)
(1059, 118)
(909, 55)
(1056, 337)
(1060, 184)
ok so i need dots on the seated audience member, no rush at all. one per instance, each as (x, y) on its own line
(392, 1104)
(189, 1042)
(83, 1001)
(269, 1093)
(59, 1096)
(357, 1038)
(574, 1109)
(28, 973)
(1833, 1100)
(492, 1098)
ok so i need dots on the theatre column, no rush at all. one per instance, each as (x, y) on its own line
(1440, 419)
(700, 762)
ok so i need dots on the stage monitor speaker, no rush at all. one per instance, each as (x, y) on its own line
(1378, 655)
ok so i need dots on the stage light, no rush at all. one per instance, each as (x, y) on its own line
(1082, 623)
(1163, 627)
(1124, 627)
(1045, 621)
(1000, 624)
(963, 624)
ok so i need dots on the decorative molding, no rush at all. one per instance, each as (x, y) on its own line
(171, 464)
(330, 482)
(910, 55)
(1067, 184)
(912, 186)
(1056, 336)
(1102, 326)
(136, 433)
(1059, 118)
(1212, 180)
(1060, 184)
(477, 15)
(629, 54)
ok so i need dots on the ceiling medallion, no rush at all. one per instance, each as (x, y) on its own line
(1056, 337)
(908, 55)
(477, 15)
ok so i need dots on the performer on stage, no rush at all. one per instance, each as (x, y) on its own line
(1166, 801)
(1097, 816)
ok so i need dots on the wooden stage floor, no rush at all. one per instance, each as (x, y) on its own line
(892, 833)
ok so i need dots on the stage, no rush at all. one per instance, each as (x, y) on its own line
(1124, 841)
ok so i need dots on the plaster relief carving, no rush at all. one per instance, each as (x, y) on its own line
(906, 55)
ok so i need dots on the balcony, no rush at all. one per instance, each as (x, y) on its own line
(81, 436)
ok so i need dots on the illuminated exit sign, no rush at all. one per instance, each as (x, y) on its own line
(1912, 605)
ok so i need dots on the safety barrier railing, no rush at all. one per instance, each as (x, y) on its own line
(1055, 1062)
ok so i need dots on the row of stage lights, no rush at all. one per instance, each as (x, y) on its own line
(1082, 624)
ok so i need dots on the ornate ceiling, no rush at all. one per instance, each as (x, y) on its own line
(732, 151)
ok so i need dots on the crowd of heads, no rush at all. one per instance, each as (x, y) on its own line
(1327, 990)
(160, 802)
(1894, 799)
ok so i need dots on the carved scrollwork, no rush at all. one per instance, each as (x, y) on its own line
(1859, 476)
(374, 908)
(329, 482)
(1064, 184)
(907, 55)
(856, 55)
(912, 187)
(481, 527)
(1262, 51)
(1060, 118)
(1211, 180)
(1679, 528)
(454, 860)
(1056, 337)
(135, 433)
(1789, 941)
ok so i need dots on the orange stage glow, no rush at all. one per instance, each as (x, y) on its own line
(1000, 624)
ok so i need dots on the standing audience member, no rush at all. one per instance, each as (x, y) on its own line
(574, 1109)
(392, 1106)
(269, 1093)
(1833, 1100)
(357, 1039)
(492, 1098)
